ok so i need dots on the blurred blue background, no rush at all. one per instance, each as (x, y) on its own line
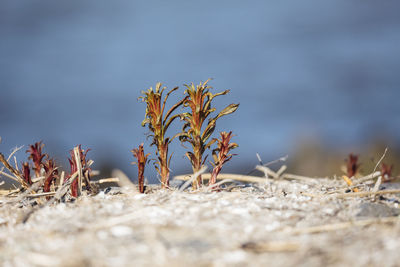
(303, 71)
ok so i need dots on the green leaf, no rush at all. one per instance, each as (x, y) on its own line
(191, 157)
(170, 121)
(169, 160)
(173, 107)
(228, 110)
(209, 144)
(145, 121)
(208, 131)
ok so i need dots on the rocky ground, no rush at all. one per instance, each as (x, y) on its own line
(279, 223)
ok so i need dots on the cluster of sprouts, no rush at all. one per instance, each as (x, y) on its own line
(198, 128)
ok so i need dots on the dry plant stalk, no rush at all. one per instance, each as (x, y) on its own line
(141, 158)
(80, 165)
(17, 175)
(221, 154)
(158, 124)
(198, 99)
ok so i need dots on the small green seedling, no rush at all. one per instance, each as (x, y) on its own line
(198, 99)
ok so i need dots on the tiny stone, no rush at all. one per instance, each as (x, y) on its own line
(377, 210)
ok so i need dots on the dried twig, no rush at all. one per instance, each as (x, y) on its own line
(267, 171)
(106, 180)
(9, 176)
(383, 156)
(366, 178)
(13, 171)
(45, 194)
(15, 150)
(79, 167)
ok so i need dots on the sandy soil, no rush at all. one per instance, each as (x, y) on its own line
(272, 224)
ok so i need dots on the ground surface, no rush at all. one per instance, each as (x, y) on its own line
(264, 225)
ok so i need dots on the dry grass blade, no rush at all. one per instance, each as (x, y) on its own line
(107, 180)
(79, 166)
(16, 173)
(380, 160)
(267, 171)
(193, 178)
(45, 194)
(366, 178)
(15, 150)
(9, 176)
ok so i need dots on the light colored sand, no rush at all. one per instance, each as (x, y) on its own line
(254, 226)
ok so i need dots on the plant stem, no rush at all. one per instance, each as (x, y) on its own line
(197, 166)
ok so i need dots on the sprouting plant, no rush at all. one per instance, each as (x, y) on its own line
(158, 124)
(82, 166)
(198, 99)
(26, 173)
(221, 154)
(51, 174)
(386, 172)
(352, 165)
(141, 158)
(36, 156)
